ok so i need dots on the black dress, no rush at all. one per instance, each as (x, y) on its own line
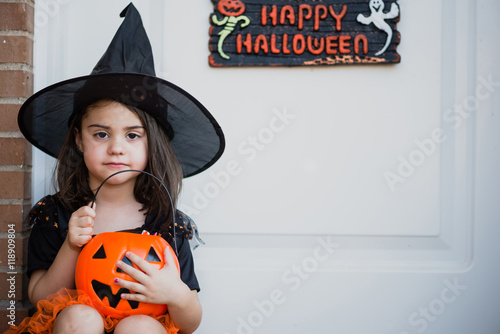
(50, 226)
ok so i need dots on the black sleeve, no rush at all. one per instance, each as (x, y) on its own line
(45, 238)
(186, 265)
(183, 233)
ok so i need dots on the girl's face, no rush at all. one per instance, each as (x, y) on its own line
(112, 139)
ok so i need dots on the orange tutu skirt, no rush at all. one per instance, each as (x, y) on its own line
(43, 320)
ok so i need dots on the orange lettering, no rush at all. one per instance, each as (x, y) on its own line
(319, 48)
(287, 12)
(299, 40)
(358, 39)
(247, 43)
(338, 17)
(307, 16)
(274, 15)
(331, 45)
(318, 16)
(274, 49)
(261, 39)
(343, 44)
(285, 44)
(263, 15)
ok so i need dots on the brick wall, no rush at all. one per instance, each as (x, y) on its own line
(16, 84)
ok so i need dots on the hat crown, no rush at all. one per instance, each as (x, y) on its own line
(130, 50)
(125, 73)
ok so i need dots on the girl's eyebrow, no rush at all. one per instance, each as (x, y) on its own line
(132, 127)
(98, 126)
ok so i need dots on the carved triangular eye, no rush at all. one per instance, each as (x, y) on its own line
(152, 256)
(100, 254)
(124, 260)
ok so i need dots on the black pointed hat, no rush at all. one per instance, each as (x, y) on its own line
(126, 74)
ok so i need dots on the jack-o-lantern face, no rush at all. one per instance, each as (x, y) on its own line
(96, 269)
(231, 7)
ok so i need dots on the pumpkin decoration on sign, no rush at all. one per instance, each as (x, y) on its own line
(231, 7)
(96, 270)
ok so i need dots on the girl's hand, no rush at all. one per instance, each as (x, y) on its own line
(154, 286)
(80, 227)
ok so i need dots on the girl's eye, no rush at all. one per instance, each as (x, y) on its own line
(132, 136)
(101, 135)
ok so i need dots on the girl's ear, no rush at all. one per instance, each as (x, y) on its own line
(78, 140)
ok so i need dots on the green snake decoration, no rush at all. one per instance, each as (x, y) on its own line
(231, 18)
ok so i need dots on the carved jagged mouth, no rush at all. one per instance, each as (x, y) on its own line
(103, 290)
(231, 10)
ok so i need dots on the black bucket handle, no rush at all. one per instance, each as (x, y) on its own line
(157, 179)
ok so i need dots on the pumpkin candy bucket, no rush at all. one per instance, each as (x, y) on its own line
(96, 268)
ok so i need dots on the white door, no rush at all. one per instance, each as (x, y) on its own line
(350, 199)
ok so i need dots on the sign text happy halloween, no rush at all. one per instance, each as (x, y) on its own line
(293, 32)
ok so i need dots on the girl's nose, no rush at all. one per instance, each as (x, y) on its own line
(115, 147)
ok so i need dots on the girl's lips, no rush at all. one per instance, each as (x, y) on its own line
(116, 164)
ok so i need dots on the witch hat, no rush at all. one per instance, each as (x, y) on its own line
(126, 73)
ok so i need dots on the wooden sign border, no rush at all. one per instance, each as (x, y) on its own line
(303, 33)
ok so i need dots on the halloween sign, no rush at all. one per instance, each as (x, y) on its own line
(96, 270)
(311, 32)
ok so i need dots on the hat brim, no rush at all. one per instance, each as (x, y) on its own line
(197, 138)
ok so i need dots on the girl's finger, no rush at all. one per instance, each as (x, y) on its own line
(134, 296)
(145, 266)
(83, 212)
(132, 286)
(169, 258)
(81, 240)
(136, 274)
(86, 231)
(85, 222)
(91, 209)
(86, 211)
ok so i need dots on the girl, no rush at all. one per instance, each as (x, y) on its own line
(121, 117)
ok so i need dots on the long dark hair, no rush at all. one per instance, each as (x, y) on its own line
(72, 174)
